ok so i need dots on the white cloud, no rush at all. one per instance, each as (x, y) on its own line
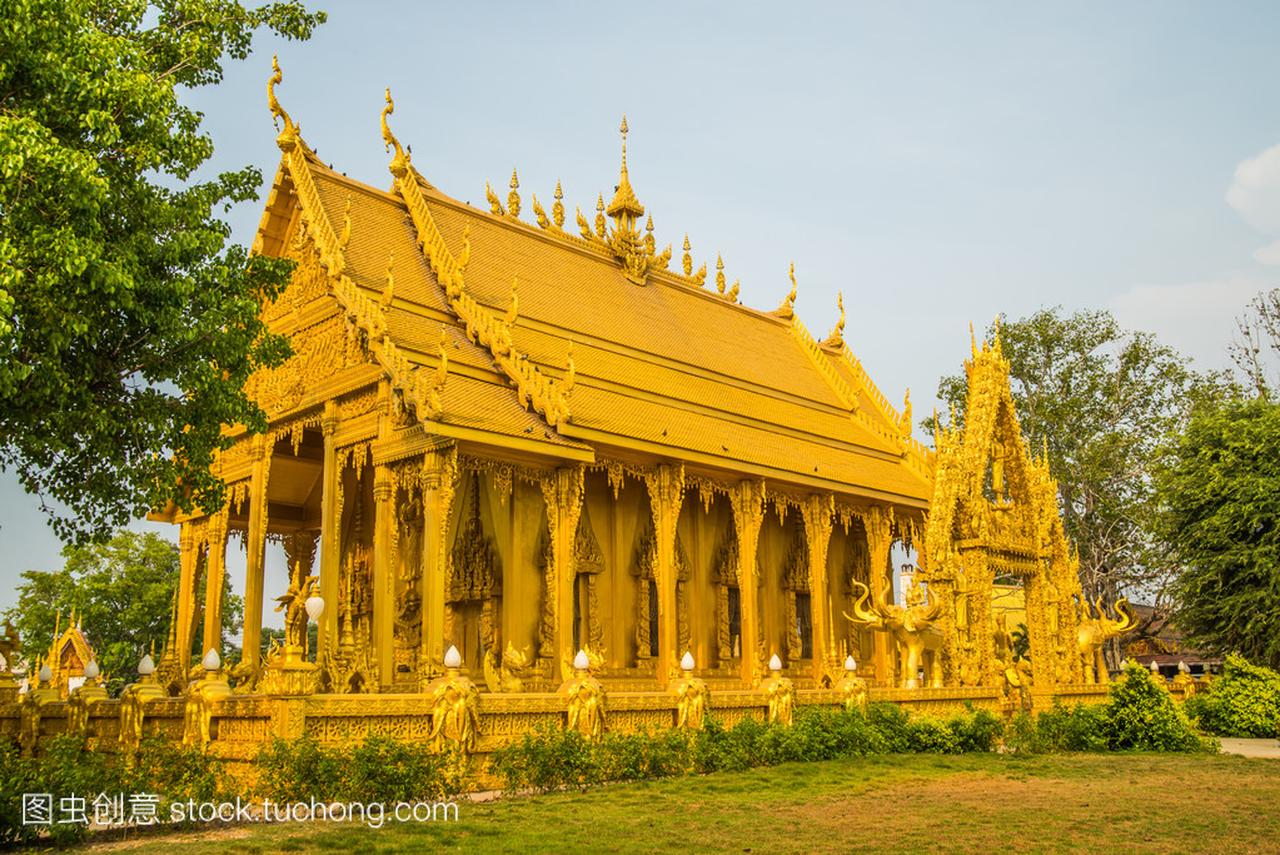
(1269, 254)
(1255, 194)
(1197, 318)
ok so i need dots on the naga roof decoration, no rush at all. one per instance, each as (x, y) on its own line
(603, 344)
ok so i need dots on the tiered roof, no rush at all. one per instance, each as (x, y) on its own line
(587, 343)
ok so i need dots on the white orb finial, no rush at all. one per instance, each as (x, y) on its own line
(1183, 667)
(315, 607)
(91, 670)
(581, 662)
(775, 664)
(212, 661)
(146, 665)
(850, 665)
(46, 673)
(686, 661)
(1155, 669)
(452, 658)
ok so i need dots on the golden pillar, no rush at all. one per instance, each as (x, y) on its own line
(383, 575)
(330, 518)
(257, 550)
(188, 554)
(562, 492)
(879, 528)
(439, 472)
(747, 500)
(666, 494)
(818, 511)
(214, 577)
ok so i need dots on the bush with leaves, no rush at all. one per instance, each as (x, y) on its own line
(1142, 716)
(376, 770)
(1244, 701)
(1081, 727)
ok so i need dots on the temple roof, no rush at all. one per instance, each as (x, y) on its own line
(590, 343)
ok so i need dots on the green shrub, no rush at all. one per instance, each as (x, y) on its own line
(1081, 727)
(298, 770)
(64, 768)
(927, 735)
(976, 730)
(890, 723)
(547, 759)
(384, 770)
(1244, 701)
(716, 749)
(1022, 735)
(1143, 716)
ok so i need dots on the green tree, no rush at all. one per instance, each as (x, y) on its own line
(1221, 496)
(128, 325)
(1104, 402)
(121, 591)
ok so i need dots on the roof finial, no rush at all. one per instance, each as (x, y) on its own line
(289, 132)
(557, 210)
(649, 245)
(513, 311)
(973, 343)
(836, 339)
(495, 206)
(787, 309)
(400, 160)
(995, 344)
(624, 129)
(388, 290)
(687, 259)
(600, 223)
(720, 283)
(513, 198)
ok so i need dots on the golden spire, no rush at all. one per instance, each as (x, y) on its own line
(388, 290)
(600, 224)
(584, 226)
(732, 296)
(719, 273)
(288, 137)
(995, 344)
(625, 207)
(513, 198)
(557, 210)
(400, 160)
(973, 343)
(687, 259)
(649, 245)
(787, 309)
(905, 424)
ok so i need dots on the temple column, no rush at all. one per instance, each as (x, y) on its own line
(879, 528)
(562, 492)
(188, 554)
(439, 475)
(383, 575)
(666, 494)
(818, 511)
(214, 578)
(330, 517)
(747, 501)
(257, 548)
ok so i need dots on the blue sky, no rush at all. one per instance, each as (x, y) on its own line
(938, 163)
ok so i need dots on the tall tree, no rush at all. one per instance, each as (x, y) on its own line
(1103, 401)
(1257, 348)
(1221, 493)
(128, 325)
(122, 592)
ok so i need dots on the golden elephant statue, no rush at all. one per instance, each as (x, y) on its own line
(1096, 630)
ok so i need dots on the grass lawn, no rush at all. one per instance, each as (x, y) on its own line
(915, 803)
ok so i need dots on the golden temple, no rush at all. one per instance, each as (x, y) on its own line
(517, 467)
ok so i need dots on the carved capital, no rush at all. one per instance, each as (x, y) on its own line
(383, 485)
(747, 501)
